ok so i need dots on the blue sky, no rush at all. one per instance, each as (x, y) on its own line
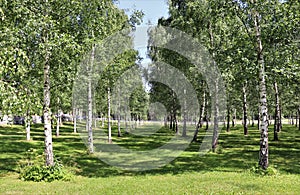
(153, 10)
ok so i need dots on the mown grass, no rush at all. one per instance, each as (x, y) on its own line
(224, 172)
(187, 183)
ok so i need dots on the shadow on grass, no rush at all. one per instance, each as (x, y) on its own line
(236, 152)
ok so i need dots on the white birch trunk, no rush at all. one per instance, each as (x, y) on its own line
(216, 103)
(264, 140)
(119, 114)
(119, 125)
(102, 120)
(47, 115)
(184, 115)
(90, 105)
(245, 115)
(27, 124)
(298, 118)
(75, 119)
(80, 115)
(108, 116)
(234, 118)
(126, 123)
(57, 124)
(277, 113)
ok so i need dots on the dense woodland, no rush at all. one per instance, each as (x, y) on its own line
(253, 43)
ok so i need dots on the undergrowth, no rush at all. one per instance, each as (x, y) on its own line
(32, 168)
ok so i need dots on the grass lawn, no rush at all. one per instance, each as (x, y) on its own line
(224, 172)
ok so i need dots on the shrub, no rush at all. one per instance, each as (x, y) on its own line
(39, 173)
(270, 171)
(32, 168)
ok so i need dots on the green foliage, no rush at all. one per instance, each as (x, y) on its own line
(136, 18)
(39, 173)
(270, 171)
(32, 168)
(219, 149)
(138, 103)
